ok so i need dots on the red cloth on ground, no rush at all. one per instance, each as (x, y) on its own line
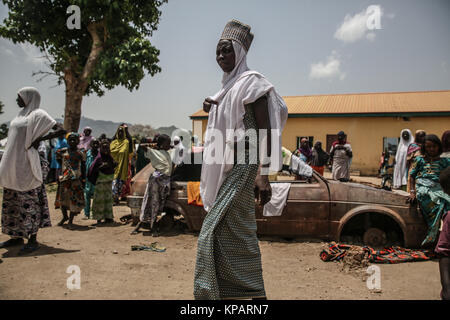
(388, 255)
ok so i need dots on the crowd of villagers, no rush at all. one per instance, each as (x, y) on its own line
(92, 174)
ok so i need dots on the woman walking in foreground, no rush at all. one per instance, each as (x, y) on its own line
(228, 257)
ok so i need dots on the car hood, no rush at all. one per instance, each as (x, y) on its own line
(356, 192)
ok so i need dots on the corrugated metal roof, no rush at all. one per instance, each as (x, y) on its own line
(366, 103)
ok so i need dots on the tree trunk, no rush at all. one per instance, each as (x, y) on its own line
(72, 111)
(77, 84)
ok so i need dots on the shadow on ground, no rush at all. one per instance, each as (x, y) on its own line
(13, 252)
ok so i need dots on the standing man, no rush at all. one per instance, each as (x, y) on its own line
(228, 262)
(341, 155)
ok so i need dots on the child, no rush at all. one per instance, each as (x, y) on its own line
(70, 195)
(101, 175)
(443, 246)
(89, 188)
(158, 186)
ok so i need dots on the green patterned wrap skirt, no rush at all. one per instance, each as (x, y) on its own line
(228, 262)
(102, 205)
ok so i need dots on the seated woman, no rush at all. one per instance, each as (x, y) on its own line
(424, 185)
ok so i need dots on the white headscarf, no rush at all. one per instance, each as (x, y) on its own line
(20, 168)
(239, 88)
(400, 170)
(178, 150)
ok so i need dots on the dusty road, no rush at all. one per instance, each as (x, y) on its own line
(110, 270)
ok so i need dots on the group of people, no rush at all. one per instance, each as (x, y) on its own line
(419, 161)
(338, 159)
(91, 173)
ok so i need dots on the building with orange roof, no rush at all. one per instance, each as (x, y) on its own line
(372, 121)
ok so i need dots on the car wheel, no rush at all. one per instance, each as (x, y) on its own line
(167, 222)
(375, 237)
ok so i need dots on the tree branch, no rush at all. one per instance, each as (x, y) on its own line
(96, 50)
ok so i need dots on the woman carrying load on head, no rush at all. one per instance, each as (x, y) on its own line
(228, 257)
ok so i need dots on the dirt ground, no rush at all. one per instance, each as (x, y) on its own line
(111, 270)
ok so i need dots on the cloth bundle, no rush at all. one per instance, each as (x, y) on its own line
(391, 255)
(193, 193)
(299, 167)
(275, 206)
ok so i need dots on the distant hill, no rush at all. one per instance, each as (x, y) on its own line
(98, 126)
(109, 127)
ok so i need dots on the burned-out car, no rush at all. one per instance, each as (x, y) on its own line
(315, 209)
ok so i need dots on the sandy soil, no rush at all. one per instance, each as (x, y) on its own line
(110, 270)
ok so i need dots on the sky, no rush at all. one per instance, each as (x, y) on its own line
(304, 47)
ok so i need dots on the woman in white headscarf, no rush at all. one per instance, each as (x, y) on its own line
(228, 256)
(177, 151)
(400, 168)
(25, 206)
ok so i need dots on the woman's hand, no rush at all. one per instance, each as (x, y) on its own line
(36, 144)
(207, 104)
(263, 190)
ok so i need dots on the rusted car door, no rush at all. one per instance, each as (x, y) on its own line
(305, 215)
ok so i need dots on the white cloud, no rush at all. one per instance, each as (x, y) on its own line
(7, 51)
(355, 27)
(329, 69)
(371, 36)
(32, 54)
(391, 15)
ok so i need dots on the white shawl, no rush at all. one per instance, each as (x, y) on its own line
(177, 151)
(239, 87)
(400, 170)
(20, 168)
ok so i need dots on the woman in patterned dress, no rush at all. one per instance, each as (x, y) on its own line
(101, 175)
(121, 147)
(25, 205)
(89, 188)
(228, 257)
(425, 187)
(413, 152)
(70, 193)
(158, 185)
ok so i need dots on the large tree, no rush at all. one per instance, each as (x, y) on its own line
(111, 48)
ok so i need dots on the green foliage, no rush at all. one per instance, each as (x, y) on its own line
(127, 51)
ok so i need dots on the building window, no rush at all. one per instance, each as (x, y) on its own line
(390, 145)
(310, 140)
